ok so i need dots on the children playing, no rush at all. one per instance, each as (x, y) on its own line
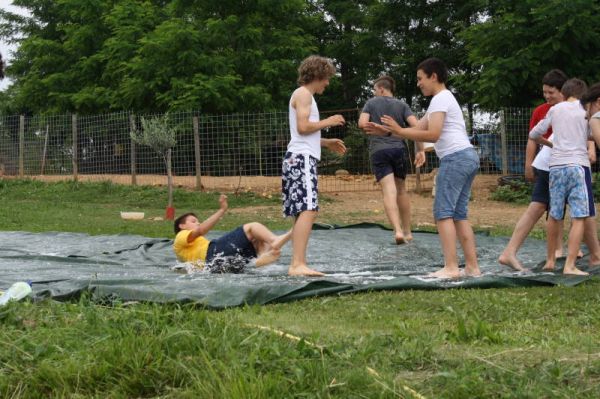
(299, 169)
(229, 253)
(389, 155)
(570, 176)
(444, 125)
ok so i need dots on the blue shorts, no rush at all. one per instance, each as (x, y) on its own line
(453, 184)
(571, 184)
(230, 253)
(299, 184)
(541, 187)
(391, 160)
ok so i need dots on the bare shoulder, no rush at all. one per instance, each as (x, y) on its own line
(301, 96)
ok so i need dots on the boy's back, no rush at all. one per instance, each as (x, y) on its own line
(570, 134)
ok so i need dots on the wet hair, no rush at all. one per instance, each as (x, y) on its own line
(1, 67)
(315, 68)
(555, 78)
(385, 82)
(574, 88)
(592, 94)
(180, 220)
(434, 65)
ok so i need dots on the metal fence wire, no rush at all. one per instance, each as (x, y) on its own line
(224, 152)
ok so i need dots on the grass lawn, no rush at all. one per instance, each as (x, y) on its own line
(494, 343)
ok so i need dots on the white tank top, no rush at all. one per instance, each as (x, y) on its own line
(307, 143)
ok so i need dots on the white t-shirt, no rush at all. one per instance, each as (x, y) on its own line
(304, 143)
(454, 133)
(570, 131)
(542, 159)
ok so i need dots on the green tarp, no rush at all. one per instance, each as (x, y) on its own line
(355, 258)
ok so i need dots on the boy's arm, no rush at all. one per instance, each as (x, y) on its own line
(335, 145)
(591, 151)
(595, 127)
(302, 102)
(363, 119)
(420, 158)
(431, 134)
(541, 127)
(530, 151)
(206, 226)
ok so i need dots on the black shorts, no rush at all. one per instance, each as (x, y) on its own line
(391, 160)
(541, 187)
(230, 253)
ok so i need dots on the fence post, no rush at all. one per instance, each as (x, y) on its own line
(75, 149)
(197, 153)
(133, 160)
(504, 145)
(21, 145)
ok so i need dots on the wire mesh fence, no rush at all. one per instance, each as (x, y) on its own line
(224, 152)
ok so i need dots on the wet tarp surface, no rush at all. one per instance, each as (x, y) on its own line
(355, 258)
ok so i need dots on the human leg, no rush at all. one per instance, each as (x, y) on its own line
(467, 242)
(300, 200)
(581, 207)
(390, 205)
(575, 236)
(300, 235)
(454, 179)
(590, 238)
(534, 212)
(268, 245)
(447, 233)
(552, 242)
(403, 201)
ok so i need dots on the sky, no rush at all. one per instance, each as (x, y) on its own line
(4, 47)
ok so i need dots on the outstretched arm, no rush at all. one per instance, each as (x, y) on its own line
(206, 226)
(431, 134)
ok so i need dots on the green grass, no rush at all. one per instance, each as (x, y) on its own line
(494, 343)
(94, 207)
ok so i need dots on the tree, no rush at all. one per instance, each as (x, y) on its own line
(158, 134)
(521, 40)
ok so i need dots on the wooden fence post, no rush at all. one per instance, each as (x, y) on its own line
(21, 145)
(197, 153)
(503, 143)
(133, 154)
(75, 146)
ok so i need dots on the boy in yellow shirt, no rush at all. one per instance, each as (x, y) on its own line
(229, 253)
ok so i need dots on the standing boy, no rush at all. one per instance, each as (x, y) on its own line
(389, 155)
(570, 175)
(444, 125)
(299, 170)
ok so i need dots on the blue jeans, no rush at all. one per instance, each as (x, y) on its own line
(453, 184)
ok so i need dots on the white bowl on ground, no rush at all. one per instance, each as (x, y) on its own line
(132, 215)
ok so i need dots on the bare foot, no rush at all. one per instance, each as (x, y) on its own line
(549, 267)
(408, 238)
(268, 257)
(303, 270)
(510, 261)
(280, 241)
(400, 239)
(472, 271)
(445, 273)
(594, 259)
(574, 271)
(580, 254)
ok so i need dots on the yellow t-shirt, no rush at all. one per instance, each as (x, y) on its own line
(194, 251)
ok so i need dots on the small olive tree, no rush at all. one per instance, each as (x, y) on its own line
(158, 134)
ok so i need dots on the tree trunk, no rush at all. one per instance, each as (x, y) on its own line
(169, 179)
